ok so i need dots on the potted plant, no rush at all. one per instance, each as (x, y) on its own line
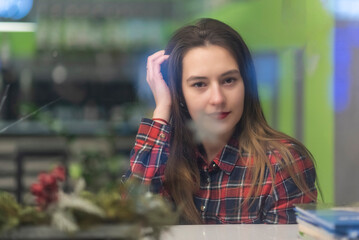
(127, 211)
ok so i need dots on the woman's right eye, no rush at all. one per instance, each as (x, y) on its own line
(198, 84)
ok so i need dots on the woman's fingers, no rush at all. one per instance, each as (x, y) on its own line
(154, 65)
(151, 59)
(157, 65)
(156, 82)
(156, 54)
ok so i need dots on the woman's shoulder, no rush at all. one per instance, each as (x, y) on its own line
(288, 152)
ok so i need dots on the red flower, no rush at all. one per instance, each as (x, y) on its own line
(41, 202)
(36, 189)
(47, 180)
(52, 188)
(59, 173)
(46, 190)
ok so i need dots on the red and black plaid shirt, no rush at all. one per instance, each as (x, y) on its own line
(225, 182)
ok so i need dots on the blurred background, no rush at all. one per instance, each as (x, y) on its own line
(73, 89)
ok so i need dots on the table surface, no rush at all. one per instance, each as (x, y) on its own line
(232, 231)
(178, 232)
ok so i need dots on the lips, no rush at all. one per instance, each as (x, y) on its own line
(220, 115)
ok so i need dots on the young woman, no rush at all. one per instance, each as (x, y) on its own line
(208, 146)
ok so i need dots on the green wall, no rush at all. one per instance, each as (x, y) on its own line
(284, 27)
(22, 44)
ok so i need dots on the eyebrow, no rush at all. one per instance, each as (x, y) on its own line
(193, 78)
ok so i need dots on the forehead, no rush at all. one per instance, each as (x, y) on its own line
(210, 59)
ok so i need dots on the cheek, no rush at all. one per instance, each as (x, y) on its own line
(242, 105)
(191, 101)
(196, 105)
(192, 107)
(239, 100)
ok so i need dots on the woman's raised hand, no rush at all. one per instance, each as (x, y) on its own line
(158, 86)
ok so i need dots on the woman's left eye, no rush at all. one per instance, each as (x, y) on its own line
(229, 80)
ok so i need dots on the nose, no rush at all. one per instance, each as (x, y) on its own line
(217, 95)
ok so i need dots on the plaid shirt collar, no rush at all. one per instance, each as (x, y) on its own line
(226, 159)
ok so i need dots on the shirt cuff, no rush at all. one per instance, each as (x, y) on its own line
(153, 133)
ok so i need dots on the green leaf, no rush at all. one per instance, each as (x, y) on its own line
(64, 221)
(74, 202)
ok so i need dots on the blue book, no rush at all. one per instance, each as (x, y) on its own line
(341, 221)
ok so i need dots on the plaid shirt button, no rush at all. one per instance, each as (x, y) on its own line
(203, 207)
(162, 135)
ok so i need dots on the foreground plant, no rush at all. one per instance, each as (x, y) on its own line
(129, 203)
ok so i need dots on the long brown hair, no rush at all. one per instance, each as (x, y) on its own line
(256, 137)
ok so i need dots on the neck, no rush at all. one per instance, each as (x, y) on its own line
(212, 148)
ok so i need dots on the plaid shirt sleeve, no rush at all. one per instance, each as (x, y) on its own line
(279, 204)
(150, 154)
